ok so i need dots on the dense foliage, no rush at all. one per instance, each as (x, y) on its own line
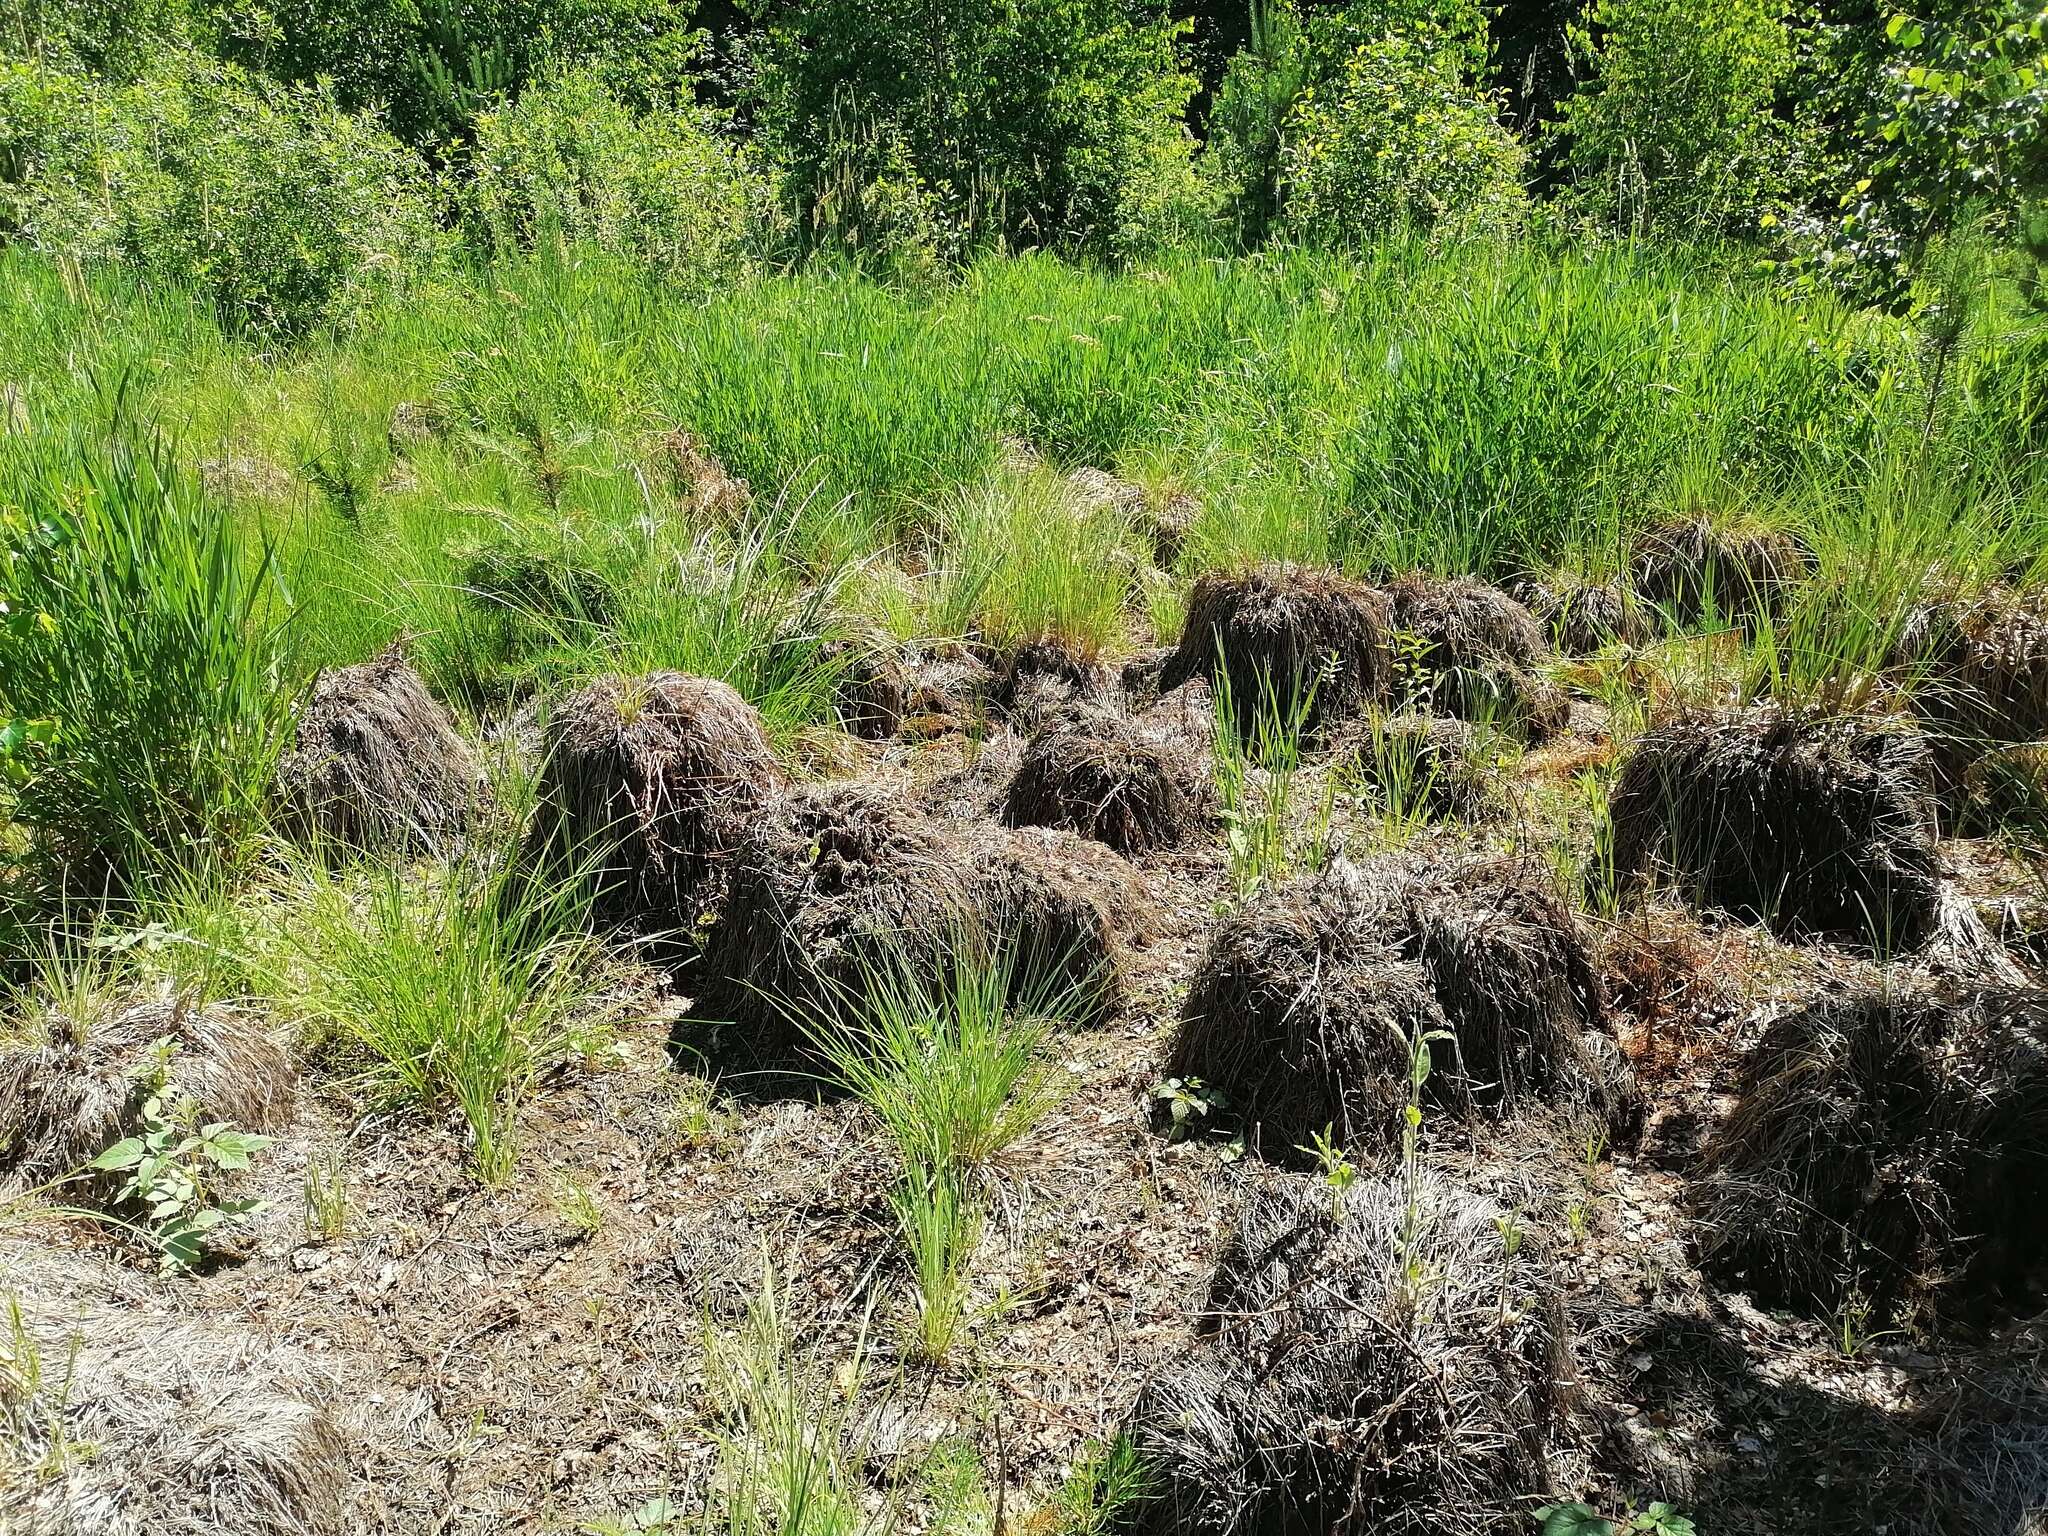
(290, 158)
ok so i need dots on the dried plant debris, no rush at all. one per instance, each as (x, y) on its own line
(72, 1087)
(1042, 676)
(1370, 1362)
(1282, 630)
(130, 1418)
(1102, 774)
(871, 687)
(1819, 827)
(1696, 569)
(559, 587)
(1979, 675)
(1308, 1007)
(835, 886)
(1889, 1154)
(646, 785)
(376, 764)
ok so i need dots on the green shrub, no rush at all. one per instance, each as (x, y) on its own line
(1673, 131)
(1400, 139)
(1055, 123)
(145, 629)
(282, 209)
(434, 66)
(569, 162)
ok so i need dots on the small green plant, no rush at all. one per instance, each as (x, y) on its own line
(1189, 1102)
(1404, 772)
(1258, 762)
(33, 1399)
(788, 1453)
(455, 987)
(1601, 881)
(575, 1205)
(171, 1165)
(698, 1118)
(1853, 1333)
(942, 1226)
(1102, 1485)
(1581, 1519)
(324, 1192)
(1338, 1171)
(658, 1516)
(1408, 1237)
(951, 1067)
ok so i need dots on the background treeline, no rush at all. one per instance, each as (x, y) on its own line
(294, 159)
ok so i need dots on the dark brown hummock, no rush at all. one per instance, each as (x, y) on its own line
(1324, 1395)
(1820, 828)
(1044, 675)
(1108, 777)
(1302, 1007)
(836, 884)
(1693, 568)
(375, 763)
(1281, 629)
(71, 1088)
(1980, 673)
(646, 785)
(1476, 651)
(1582, 616)
(1890, 1149)
(870, 686)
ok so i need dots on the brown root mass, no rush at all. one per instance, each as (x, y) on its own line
(871, 689)
(1281, 630)
(1692, 569)
(707, 492)
(1464, 622)
(1890, 1149)
(414, 424)
(646, 785)
(1818, 828)
(71, 1088)
(1303, 1009)
(1580, 616)
(1041, 676)
(835, 886)
(548, 585)
(376, 764)
(1105, 776)
(1326, 1396)
(948, 690)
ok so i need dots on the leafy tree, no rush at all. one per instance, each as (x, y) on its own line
(1401, 139)
(433, 66)
(282, 208)
(569, 161)
(1674, 130)
(1056, 122)
(1296, 55)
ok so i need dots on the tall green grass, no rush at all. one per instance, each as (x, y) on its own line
(951, 1066)
(447, 988)
(149, 628)
(1479, 407)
